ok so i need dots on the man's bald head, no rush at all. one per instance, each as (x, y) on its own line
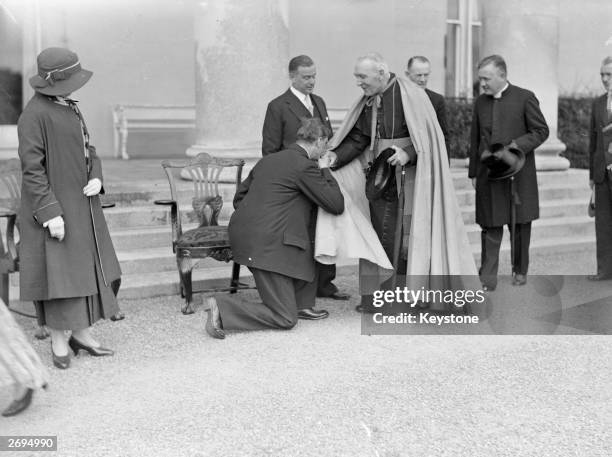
(371, 73)
(606, 73)
(418, 70)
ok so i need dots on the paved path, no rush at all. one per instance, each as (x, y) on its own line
(323, 389)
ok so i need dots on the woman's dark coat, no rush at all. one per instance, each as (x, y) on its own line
(51, 149)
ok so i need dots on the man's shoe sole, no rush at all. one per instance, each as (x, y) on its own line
(312, 318)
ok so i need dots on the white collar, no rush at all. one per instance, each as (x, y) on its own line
(60, 100)
(304, 98)
(499, 94)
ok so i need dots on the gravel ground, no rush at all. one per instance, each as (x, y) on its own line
(323, 389)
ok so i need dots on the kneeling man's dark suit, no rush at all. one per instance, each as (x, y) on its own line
(283, 119)
(272, 233)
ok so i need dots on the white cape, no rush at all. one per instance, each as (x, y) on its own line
(350, 236)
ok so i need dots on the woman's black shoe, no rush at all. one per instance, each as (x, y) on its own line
(62, 362)
(19, 405)
(76, 346)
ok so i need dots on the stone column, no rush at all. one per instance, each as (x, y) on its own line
(526, 34)
(28, 17)
(32, 45)
(241, 52)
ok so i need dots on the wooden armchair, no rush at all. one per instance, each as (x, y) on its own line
(10, 197)
(208, 239)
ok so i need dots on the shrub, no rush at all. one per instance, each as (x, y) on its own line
(573, 127)
(10, 96)
(459, 119)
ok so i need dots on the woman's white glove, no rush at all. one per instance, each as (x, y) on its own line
(56, 227)
(93, 187)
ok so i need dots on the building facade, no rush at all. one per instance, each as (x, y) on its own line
(228, 58)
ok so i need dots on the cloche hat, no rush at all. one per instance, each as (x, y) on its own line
(59, 72)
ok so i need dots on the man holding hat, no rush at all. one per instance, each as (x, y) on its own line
(507, 124)
(67, 260)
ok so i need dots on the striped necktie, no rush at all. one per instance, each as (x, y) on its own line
(308, 103)
(73, 105)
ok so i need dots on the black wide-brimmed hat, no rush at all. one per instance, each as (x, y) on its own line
(503, 161)
(381, 175)
(59, 72)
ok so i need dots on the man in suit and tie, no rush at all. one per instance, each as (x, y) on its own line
(272, 232)
(600, 172)
(282, 121)
(511, 116)
(418, 70)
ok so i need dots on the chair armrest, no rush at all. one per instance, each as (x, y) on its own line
(6, 212)
(11, 256)
(175, 220)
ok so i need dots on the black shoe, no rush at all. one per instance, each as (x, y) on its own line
(62, 362)
(213, 321)
(19, 405)
(117, 317)
(76, 346)
(365, 309)
(338, 296)
(311, 314)
(599, 277)
(519, 279)
(487, 288)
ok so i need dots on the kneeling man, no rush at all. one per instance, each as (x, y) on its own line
(272, 233)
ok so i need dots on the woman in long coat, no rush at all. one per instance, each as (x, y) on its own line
(67, 260)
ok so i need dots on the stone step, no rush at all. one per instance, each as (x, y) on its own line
(553, 201)
(146, 214)
(549, 178)
(144, 285)
(138, 283)
(548, 209)
(466, 197)
(148, 248)
(216, 274)
(139, 195)
(163, 283)
(123, 217)
(152, 260)
(554, 227)
(148, 236)
(143, 238)
(546, 246)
